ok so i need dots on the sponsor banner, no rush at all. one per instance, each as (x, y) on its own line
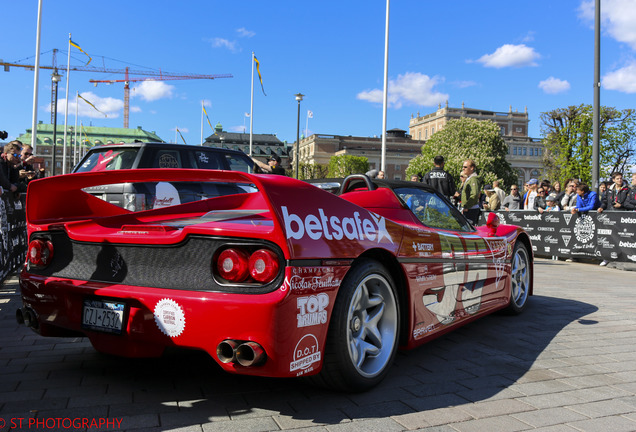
(608, 235)
(13, 235)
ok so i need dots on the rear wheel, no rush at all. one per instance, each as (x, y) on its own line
(363, 332)
(520, 275)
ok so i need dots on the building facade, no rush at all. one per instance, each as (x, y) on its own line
(263, 145)
(525, 154)
(87, 137)
(400, 149)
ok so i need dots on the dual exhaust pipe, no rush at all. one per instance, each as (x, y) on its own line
(240, 352)
(27, 317)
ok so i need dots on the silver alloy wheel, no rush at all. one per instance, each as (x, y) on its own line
(372, 326)
(520, 286)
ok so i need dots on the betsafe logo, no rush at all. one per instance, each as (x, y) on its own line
(335, 228)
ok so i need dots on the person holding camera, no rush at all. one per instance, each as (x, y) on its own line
(26, 169)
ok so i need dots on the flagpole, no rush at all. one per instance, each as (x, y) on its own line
(68, 80)
(201, 122)
(76, 147)
(385, 98)
(307, 124)
(252, 107)
(36, 80)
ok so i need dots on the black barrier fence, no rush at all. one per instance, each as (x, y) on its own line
(608, 236)
(13, 245)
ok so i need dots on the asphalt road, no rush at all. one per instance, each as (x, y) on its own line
(567, 364)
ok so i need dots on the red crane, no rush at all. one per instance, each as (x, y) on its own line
(143, 76)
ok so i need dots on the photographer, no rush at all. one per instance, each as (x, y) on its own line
(26, 169)
(9, 162)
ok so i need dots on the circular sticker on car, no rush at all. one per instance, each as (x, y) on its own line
(169, 317)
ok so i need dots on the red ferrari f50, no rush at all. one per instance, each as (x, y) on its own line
(271, 276)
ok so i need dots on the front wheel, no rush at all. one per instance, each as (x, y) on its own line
(363, 332)
(520, 276)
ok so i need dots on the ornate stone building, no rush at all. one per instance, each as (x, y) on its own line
(524, 153)
(400, 149)
(263, 145)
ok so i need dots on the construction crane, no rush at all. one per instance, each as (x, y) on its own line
(143, 76)
(149, 76)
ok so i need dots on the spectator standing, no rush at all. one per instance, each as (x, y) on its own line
(381, 174)
(514, 201)
(614, 198)
(471, 191)
(630, 202)
(272, 166)
(557, 191)
(539, 201)
(440, 179)
(568, 202)
(587, 200)
(500, 192)
(551, 203)
(26, 170)
(531, 194)
(9, 162)
(492, 199)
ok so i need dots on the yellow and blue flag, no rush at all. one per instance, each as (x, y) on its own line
(79, 48)
(258, 69)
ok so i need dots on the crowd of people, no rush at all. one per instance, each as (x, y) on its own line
(472, 196)
(16, 169)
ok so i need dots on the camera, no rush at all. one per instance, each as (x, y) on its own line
(3, 135)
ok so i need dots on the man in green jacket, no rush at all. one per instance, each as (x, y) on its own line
(471, 191)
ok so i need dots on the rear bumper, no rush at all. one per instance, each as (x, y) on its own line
(155, 318)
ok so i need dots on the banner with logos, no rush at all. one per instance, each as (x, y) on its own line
(608, 236)
(13, 236)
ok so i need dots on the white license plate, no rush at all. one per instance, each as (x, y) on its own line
(102, 315)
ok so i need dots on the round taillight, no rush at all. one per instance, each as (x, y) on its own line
(263, 265)
(232, 265)
(40, 252)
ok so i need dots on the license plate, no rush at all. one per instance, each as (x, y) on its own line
(103, 316)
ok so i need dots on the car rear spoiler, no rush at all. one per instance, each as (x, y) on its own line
(61, 197)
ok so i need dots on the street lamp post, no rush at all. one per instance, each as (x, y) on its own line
(299, 97)
(55, 78)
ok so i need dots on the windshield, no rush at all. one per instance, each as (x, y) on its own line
(110, 159)
(432, 210)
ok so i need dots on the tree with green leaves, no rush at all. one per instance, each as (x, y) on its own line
(312, 171)
(567, 137)
(467, 138)
(342, 166)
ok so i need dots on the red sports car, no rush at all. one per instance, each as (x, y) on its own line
(269, 275)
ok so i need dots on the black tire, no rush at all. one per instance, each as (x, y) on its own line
(520, 279)
(364, 330)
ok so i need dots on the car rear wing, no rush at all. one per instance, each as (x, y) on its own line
(62, 197)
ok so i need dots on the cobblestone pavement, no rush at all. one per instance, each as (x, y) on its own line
(567, 364)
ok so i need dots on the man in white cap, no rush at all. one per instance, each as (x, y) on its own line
(528, 199)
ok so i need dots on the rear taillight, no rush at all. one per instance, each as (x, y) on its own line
(232, 265)
(263, 265)
(246, 265)
(40, 252)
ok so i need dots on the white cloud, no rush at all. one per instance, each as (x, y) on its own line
(623, 79)
(617, 19)
(135, 109)
(224, 43)
(182, 130)
(554, 85)
(509, 55)
(151, 90)
(109, 107)
(243, 32)
(412, 87)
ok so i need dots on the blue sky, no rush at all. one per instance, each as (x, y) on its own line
(488, 55)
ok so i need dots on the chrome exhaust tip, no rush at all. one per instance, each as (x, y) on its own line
(250, 354)
(226, 351)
